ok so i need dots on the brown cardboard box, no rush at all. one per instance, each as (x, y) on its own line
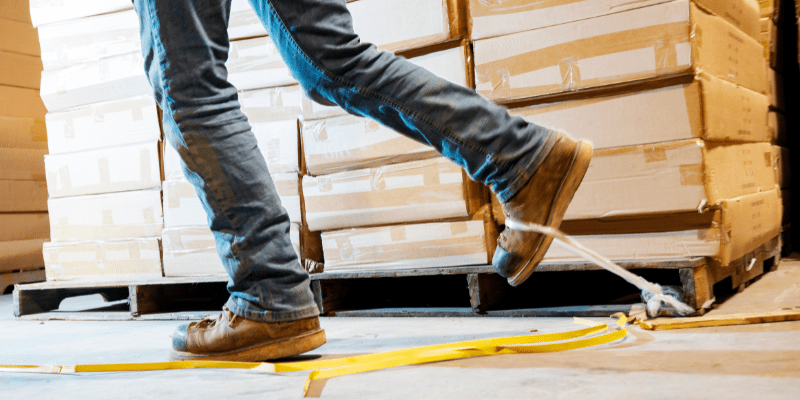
(21, 103)
(133, 214)
(644, 246)
(769, 8)
(748, 222)
(126, 259)
(15, 10)
(107, 124)
(452, 64)
(782, 165)
(497, 18)
(191, 251)
(708, 108)
(430, 245)
(662, 40)
(89, 39)
(18, 37)
(182, 207)
(24, 226)
(255, 64)
(417, 191)
(20, 70)
(769, 40)
(23, 133)
(670, 177)
(786, 200)
(108, 79)
(22, 185)
(115, 169)
(777, 128)
(21, 255)
(348, 142)
(48, 11)
(775, 93)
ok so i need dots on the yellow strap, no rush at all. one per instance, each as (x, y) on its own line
(376, 361)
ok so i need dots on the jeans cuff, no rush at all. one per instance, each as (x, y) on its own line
(244, 310)
(523, 173)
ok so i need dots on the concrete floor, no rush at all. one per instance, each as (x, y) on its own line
(744, 362)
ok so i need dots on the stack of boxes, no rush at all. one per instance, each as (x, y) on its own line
(23, 144)
(382, 200)
(104, 164)
(673, 94)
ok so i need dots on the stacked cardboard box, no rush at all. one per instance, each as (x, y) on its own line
(104, 165)
(23, 143)
(673, 94)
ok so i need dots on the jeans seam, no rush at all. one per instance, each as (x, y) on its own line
(158, 47)
(443, 131)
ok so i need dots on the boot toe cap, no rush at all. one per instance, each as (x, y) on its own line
(179, 338)
(506, 264)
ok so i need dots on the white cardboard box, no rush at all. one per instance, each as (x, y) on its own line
(82, 40)
(106, 124)
(103, 260)
(114, 169)
(182, 207)
(191, 251)
(49, 11)
(256, 64)
(644, 246)
(108, 79)
(106, 216)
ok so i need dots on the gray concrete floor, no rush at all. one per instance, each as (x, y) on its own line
(744, 362)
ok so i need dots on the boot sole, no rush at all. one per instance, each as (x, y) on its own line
(569, 185)
(278, 348)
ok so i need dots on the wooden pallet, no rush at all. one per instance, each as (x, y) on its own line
(557, 289)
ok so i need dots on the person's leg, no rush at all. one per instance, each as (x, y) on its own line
(185, 45)
(316, 40)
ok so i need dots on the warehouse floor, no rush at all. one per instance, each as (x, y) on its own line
(740, 362)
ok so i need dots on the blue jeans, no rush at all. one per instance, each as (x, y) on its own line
(185, 45)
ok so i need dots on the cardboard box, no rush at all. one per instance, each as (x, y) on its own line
(708, 108)
(748, 222)
(775, 93)
(108, 79)
(496, 18)
(21, 103)
(256, 64)
(645, 43)
(106, 216)
(439, 244)
(83, 40)
(786, 200)
(782, 165)
(417, 191)
(191, 250)
(103, 260)
(114, 169)
(20, 70)
(21, 255)
(22, 180)
(452, 64)
(394, 25)
(24, 226)
(108, 124)
(644, 246)
(48, 11)
(23, 133)
(18, 37)
(768, 36)
(272, 114)
(348, 142)
(182, 207)
(670, 177)
(777, 128)
(769, 8)
(23, 196)
(243, 22)
(16, 10)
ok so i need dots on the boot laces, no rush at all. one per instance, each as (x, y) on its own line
(211, 320)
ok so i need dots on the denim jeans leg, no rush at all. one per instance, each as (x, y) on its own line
(185, 45)
(316, 40)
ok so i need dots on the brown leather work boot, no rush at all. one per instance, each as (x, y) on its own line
(229, 337)
(543, 201)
